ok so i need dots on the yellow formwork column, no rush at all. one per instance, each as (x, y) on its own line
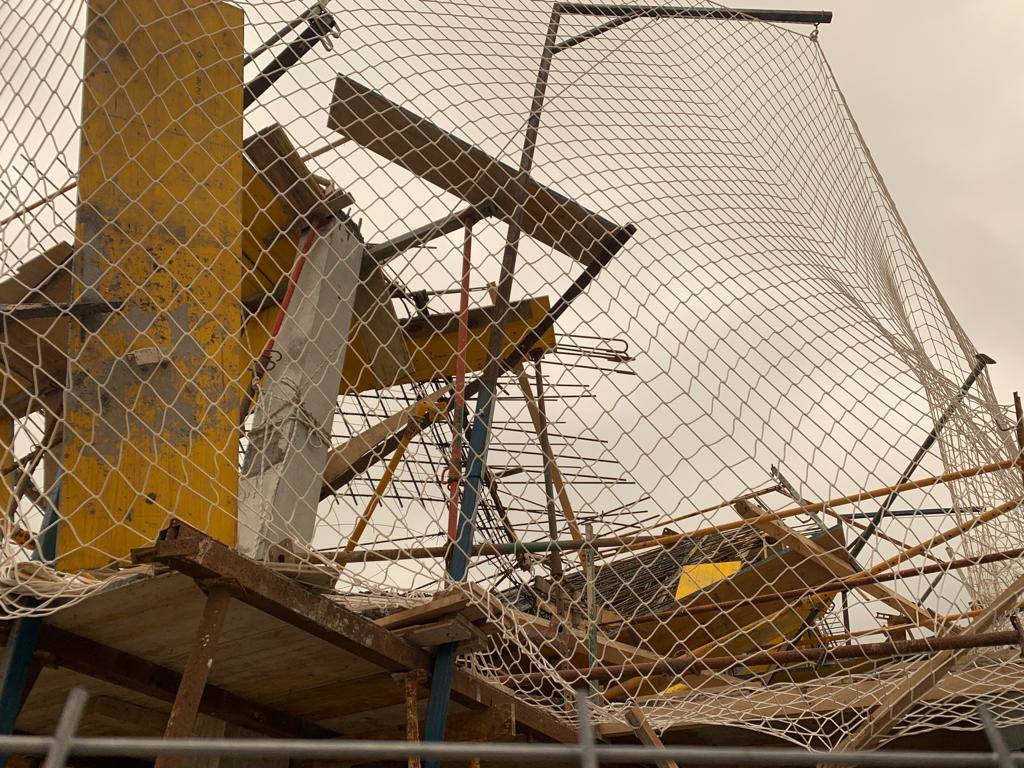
(152, 402)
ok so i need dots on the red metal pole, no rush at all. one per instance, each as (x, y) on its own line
(459, 403)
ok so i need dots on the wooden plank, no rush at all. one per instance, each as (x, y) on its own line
(468, 172)
(280, 199)
(273, 155)
(836, 565)
(923, 678)
(159, 227)
(191, 552)
(452, 629)
(645, 734)
(440, 605)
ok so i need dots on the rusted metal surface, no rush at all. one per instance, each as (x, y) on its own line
(197, 671)
(410, 682)
(816, 655)
(191, 552)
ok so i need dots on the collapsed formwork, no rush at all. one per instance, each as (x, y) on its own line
(322, 417)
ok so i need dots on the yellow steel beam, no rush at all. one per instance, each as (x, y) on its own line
(431, 343)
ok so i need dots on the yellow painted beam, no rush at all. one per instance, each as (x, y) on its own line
(153, 392)
(431, 344)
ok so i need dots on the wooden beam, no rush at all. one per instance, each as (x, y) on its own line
(894, 704)
(193, 553)
(352, 456)
(466, 171)
(643, 731)
(87, 657)
(540, 428)
(274, 156)
(441, 605)
(837, 566)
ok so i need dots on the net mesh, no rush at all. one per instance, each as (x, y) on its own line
(269, 300)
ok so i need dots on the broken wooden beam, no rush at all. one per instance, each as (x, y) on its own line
(273, 155)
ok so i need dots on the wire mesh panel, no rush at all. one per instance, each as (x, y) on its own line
(598, 316)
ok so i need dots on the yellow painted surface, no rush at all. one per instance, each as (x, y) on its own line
(159, 226)
(766, 632)
(268, 242)
(694, 578)
(431, 349)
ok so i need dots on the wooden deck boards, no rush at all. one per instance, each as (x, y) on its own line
(306, 678)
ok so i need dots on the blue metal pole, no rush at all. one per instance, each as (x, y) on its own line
(21, 644)
(444, 660)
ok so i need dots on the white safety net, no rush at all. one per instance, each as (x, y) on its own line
(274, 313)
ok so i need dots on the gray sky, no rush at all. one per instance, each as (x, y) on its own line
(938, 91)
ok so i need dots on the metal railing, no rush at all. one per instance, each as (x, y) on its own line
(586, 752)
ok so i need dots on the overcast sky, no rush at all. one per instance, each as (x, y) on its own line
(937, 88)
